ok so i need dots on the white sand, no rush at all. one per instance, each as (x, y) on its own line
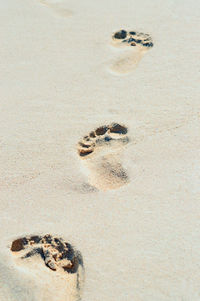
(140, 242)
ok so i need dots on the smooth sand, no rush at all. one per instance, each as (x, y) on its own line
(140, 242)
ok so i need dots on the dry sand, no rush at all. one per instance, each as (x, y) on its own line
(140, 240)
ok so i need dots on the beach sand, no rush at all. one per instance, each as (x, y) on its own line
(131, 209)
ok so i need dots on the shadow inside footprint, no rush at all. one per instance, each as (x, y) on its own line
(57, 254)
(101, 151)
(134, 44)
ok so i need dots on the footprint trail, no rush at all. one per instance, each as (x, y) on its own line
(133, 46)
(101, 152)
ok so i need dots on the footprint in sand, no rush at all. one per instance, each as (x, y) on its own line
(57, 6)
(101, 151)
(62, 260)
(133, 46)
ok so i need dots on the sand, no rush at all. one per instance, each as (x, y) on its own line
(139, 238)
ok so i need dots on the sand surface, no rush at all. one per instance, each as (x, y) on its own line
(141, 240)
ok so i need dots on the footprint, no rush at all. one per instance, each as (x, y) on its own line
(101, 152)
(58, 6)
(134, 45)
(58, 256)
